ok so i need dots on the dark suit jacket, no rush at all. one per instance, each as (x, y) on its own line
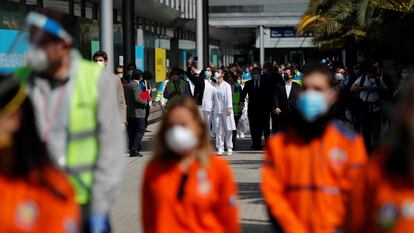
(260, 99)
(281, 100)
(136, 106)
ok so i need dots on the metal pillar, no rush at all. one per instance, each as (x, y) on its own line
(128, 27)
(344, 57)
(106, 31)
(200, 34)
(206, 47)
(262, 51)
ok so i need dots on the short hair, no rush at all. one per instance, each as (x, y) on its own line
(131, 66)
(256, 69)
(288, 68)
(100, 54)
(136, 74)
(321, 69)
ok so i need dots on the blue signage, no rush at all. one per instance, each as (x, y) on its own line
(139, 57)
(10, 58)
(282, 32)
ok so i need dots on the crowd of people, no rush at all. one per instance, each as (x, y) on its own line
(63, 118)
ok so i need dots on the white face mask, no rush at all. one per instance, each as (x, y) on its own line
(238, 81)
(181, 139)
(37, 59)
(120, 75)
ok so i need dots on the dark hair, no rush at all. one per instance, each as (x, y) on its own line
(131, 66)
(147, 75)
(118, 67)
(100, 54)
(256, 69)
(30, 156)
(136, 75)
(321, 69)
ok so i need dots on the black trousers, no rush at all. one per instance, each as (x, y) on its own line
(136, 131)
(147, 113)
(236, 120)
(371, 129)
(259, 125)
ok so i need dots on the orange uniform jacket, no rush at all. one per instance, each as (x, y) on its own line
(381, 203)
(305, 185)
(206, 201)
(31, 208)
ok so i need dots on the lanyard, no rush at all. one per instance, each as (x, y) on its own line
(50, 122)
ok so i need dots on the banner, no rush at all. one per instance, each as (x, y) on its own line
(160, 64)
(139, 57)
(279, 32)
(9, 61)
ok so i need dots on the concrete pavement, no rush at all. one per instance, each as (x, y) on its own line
(245, 164)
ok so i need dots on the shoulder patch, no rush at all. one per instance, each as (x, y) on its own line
(345, 130)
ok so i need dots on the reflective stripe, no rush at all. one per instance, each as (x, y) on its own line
(314, 188)
(75, 170)
(82, 135)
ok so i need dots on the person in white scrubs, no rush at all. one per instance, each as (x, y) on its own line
(223, 119)
(206, 107)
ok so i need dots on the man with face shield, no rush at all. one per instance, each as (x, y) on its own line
(77, 115)
(309, 169)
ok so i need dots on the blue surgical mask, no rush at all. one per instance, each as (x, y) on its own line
(312, 104)
(207, 74)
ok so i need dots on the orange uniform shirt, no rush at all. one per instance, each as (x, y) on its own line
(31, 208)
(202, 201)
(305, 185)
(381, 203)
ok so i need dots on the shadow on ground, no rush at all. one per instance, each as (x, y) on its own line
(250, 192)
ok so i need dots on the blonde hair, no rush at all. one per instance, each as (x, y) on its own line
(203, 151)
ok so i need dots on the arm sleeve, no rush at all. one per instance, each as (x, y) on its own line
(273, 192)
(110, 165)
(276, 97)
(147, 204)
(227, 206)
(358, 161)
(121, 101)
(244, 93)
(190, 76)
(229, 97)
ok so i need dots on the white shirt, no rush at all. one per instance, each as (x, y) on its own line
(288, 87)
(207, 103)
(222, 98)
(366, 96)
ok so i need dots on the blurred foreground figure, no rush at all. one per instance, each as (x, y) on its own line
(77, 115)
(309, 169)
(186, 187)
(34, 195)
(383, 200)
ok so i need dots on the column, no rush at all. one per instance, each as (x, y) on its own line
(106, 33)
(199, 34)
(206, 52)
(262, 51)
(128, 27)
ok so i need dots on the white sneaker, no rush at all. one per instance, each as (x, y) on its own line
(242, 135)
(229, 151)
(237, 136)
(220, 152)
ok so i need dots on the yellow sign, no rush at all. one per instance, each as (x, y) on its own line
(160, 65)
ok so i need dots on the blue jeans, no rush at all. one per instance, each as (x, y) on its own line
(136, 131)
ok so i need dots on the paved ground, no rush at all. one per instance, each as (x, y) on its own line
(245, 165)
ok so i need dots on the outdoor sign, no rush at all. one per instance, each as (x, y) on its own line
(139, 57)
(9, 61)
(160, 64)
(278, 32)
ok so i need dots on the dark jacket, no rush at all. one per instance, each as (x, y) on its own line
(199, 85)
(260, 99)
(286, 104)
(136, 106)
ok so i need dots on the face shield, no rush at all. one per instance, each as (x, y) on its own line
(33, 44)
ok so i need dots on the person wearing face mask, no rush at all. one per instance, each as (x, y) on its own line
(207, 101)
(285, 99)
(186, 188)
(75, 103)
(371, 91)
(310, 168)
(177, 86)
(101, 58)
(259, 107)
(36, 195)
(236, 91)
(383, 198)
(402, 82)
(223, 116)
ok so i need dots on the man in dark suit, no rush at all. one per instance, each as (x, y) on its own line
(136, 108)
(259, 106)
(285, 99)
